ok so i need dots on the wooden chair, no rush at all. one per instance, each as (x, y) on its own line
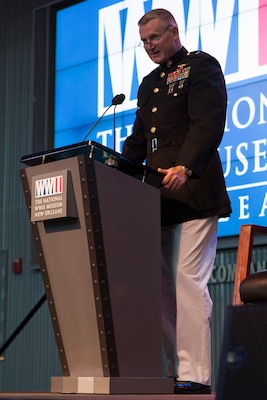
(253, 288)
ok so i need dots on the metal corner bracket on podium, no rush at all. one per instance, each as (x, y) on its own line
(95, 219)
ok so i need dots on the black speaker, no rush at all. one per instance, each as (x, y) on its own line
(243, 361)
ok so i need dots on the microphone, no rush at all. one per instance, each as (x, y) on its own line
(118, 99)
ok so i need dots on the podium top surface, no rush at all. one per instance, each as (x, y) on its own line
(100, 153)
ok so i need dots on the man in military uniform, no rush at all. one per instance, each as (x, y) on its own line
(178, 128)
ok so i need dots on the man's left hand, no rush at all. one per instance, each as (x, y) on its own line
(174, 178)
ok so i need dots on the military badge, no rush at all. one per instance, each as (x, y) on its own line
(154, 144)
(181, 73)
(181, 84)
(171, 88)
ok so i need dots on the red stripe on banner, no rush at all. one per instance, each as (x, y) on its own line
(262, 32)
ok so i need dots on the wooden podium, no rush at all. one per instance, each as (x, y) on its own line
(95, 219)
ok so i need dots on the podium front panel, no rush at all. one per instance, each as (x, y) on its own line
(101, 271)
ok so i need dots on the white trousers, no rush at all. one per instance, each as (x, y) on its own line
(188, 253)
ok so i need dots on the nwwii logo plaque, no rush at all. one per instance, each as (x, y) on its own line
(53, 185)
(52, 196)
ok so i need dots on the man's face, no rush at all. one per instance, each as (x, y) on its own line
(159, 40)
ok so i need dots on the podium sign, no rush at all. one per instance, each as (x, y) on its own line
(52, 196)
(101, 271)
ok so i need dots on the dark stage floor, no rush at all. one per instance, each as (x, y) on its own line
(53, 396)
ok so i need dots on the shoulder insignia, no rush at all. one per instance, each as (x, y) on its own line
(194, 53)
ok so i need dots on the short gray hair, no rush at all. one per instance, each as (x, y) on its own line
(158, 13)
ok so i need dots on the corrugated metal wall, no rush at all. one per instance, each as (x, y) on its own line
(32, 358)
(3, 294)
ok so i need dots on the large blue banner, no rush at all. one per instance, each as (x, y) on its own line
(97, 57)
